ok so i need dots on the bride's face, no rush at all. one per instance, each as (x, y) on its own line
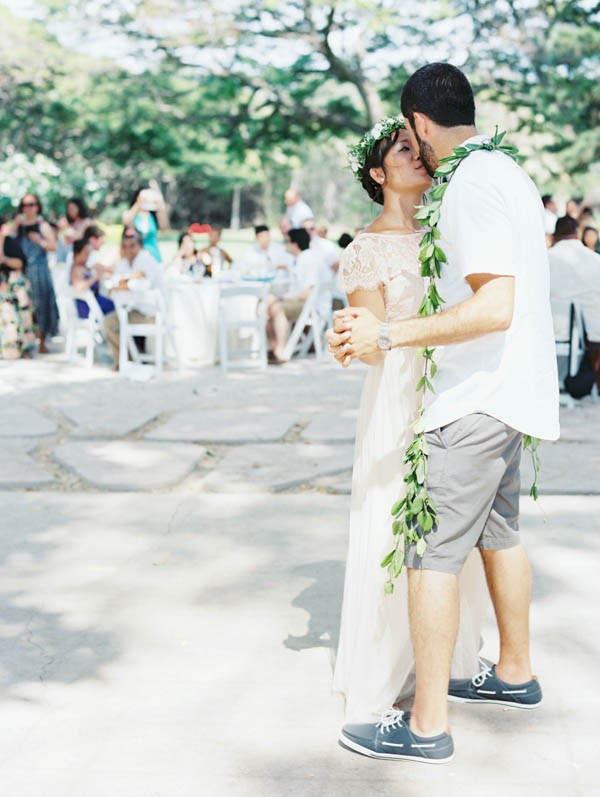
(404, 171)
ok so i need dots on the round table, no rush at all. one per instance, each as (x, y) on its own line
(193, 316)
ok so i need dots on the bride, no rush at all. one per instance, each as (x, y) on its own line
(380, 270)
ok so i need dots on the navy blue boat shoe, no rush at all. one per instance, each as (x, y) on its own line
(392, 738)
(486, 687)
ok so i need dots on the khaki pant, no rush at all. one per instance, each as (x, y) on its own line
(111, 328)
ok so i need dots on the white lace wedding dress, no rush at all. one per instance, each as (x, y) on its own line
(375, 663)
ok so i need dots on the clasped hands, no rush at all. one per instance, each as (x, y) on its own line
(354, 335)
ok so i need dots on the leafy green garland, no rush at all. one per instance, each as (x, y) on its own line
(415, 514)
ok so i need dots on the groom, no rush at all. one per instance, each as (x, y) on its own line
(496, 381)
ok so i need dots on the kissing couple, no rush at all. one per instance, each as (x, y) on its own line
(495, 385)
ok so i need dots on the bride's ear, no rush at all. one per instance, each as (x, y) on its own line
(377, 174)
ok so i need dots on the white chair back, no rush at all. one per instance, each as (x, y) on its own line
(243, 317)
(154, 305)
(82, 332)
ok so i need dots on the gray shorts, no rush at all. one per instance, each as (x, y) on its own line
(473, 480)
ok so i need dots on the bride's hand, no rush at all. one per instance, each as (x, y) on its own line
(356, 328)
(338, 347)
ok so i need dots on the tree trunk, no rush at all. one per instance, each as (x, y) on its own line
(235, 208)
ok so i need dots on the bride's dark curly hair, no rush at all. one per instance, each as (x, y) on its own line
(374, 161)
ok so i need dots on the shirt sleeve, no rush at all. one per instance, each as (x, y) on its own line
(480, 225)
(359, 268)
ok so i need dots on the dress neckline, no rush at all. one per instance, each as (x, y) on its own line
(392, 234)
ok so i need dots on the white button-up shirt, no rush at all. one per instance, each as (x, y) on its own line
(492, 222)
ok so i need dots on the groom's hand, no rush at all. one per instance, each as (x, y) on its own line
(354, 334)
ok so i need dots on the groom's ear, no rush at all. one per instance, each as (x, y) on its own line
(421, 124)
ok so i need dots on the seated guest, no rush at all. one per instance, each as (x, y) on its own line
(17, 330)
(214, 257)
(136, 264)
(95, 237)
(308, 270)
(265, 256)
(84, 278)
(186, 261)
(327, 250)
(574, 276)
(589, 238)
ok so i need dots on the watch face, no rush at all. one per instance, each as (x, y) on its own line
(383, 341)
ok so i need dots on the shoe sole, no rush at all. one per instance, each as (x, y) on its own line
(507, 703)
(357, 748)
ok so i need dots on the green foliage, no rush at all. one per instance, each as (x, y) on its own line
(206, 99)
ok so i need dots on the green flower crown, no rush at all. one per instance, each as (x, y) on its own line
(358, 154)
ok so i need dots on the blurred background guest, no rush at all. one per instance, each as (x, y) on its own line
(214, 257)
(297, 211)
(586, 217)
(17, 331)
(345, 240)
(325, 249)
(573, 207)
(550, 217)
(265, 256)
(36, 238)
(589, 238)
(95, 237)
(186, 261)
(135, 266)
(309, 270)
(73, 224)
(575, 276)
(148, 214)
(83, 278)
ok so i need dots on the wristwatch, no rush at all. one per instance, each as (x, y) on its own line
(383, 338)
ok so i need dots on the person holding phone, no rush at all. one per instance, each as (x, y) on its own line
(148, 214)
(36, 238)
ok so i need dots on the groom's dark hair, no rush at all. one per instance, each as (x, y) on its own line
(441, 92)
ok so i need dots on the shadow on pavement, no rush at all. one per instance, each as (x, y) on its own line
(323, 602)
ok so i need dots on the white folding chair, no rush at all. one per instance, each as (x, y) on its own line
(128, 330)
(243, 316)
(82, 332)
(311, 324)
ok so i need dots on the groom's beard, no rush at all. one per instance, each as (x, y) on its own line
(427, 156)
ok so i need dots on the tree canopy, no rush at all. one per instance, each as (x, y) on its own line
(206, 97)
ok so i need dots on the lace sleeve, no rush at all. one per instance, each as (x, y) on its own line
(360, 268)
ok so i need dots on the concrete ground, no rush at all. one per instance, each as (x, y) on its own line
(171, 562)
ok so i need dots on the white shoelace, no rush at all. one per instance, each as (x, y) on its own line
(482, 676)
(390, 719)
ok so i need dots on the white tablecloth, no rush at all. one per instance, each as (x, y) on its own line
(193, 316)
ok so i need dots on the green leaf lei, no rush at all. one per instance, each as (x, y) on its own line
(415, 514)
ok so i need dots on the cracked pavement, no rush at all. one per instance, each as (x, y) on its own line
(172, 564)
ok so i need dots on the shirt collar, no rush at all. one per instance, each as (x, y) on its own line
(478, 138)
